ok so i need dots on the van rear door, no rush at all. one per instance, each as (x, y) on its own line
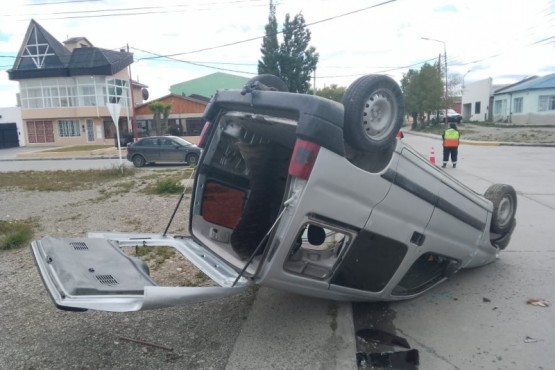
(96, 273)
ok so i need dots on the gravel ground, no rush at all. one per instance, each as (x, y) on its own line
(520, 135)
(530, 135)
(35, 335)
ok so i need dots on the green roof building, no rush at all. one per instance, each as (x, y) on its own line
(207, 86)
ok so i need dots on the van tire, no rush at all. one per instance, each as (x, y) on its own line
(504, 202)
(269, 82)
(374, 112)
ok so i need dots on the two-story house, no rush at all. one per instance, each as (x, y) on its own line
(65, 89)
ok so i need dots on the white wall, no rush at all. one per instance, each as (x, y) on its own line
(479, 91)
(530, 105)
(13, 115)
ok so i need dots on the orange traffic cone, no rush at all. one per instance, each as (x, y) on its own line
(432, 156)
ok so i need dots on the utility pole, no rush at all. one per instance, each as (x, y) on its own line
(444, 57)
(132, 107)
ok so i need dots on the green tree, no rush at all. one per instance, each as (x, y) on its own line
(332, 92)
(293, 60)
(161, 113)
(297, 59)
(270, 46)
(431, 82)
(422, 91)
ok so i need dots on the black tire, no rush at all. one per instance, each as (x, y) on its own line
(374, 112)
(504, 202)
(270, 81)
(138, 160)
(192, 159)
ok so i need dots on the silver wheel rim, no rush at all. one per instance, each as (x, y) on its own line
(378, 113)
(504, 211)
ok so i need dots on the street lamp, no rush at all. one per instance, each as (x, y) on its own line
(467, 72)
(445, 57)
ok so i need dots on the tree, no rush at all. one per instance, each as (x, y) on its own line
(270, 46)
(422, 91)
(161, 113)
(293, 60)
(332, 92)
(297, 60)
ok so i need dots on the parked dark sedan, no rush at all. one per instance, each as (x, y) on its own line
(162, 149)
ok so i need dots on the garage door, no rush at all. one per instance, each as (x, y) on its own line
(8, 135)
(40, 132)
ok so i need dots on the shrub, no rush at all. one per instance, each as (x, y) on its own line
(169, 186)
(15, 234)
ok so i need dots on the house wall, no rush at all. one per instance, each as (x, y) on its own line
(185, 114)
(476, 93)
(13, 115)
(179, 106)
(530, 114)
(98, 115)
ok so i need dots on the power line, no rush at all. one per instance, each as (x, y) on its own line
(277, 33)
(117, 12)
(192, 63)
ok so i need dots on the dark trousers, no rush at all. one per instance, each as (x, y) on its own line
(450, 151)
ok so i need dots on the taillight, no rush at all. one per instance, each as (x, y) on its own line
(201, 142)
(302, 161)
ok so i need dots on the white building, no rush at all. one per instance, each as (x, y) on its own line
(477, 98)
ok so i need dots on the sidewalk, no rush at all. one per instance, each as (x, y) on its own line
(49, 153)
(289, 331)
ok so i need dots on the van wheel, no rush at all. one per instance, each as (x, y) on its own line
(503, 198)
(268, 81)
(138, 161)
(373, 112)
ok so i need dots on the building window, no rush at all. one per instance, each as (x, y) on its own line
(117, 91)
(87, 96)
(69, 128)
(63, 92)
(517, 105)
(477, 107)
(500, 106)
(497, 107)
(546, 102)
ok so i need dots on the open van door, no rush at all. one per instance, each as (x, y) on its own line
(96, 273)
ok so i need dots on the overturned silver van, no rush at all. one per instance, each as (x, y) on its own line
(303, 194)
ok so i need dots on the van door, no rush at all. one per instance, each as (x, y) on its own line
(96, 273)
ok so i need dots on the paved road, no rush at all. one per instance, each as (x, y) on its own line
(480, 318)
(11, 161)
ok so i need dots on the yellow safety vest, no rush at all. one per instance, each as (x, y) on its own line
(451, 138)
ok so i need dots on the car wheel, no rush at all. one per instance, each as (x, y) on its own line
(503, 198)
(268, 80)
(373, 112)
(192, 159)
(138, 160)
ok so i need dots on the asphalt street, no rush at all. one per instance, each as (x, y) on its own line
(479, 319)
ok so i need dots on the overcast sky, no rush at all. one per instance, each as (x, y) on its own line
(504, 40)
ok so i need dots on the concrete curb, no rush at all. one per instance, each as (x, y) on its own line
(288, 331)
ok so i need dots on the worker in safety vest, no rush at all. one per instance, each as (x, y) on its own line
(451, 139)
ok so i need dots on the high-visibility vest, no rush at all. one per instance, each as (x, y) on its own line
(451, 138)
